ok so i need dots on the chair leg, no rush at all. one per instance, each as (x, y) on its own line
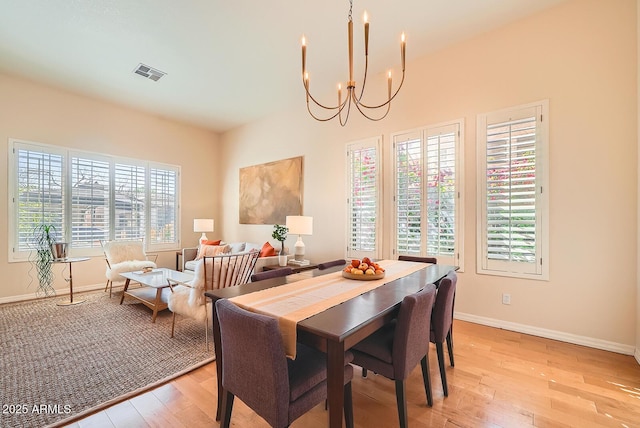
(426, 377)
(106, 286)
(173, 323)
(450, 346)
(364, 372)
(206, 329)
(443, 373)
(402, 403)
(227, 407)
(348, 406)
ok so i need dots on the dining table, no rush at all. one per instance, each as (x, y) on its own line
(337, 328)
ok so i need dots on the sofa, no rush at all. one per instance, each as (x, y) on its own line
(189, 255)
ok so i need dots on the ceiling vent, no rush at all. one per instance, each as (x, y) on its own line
(149, 72)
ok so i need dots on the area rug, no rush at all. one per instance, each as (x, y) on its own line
(57, 362)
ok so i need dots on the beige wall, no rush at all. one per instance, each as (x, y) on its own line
(637, 353)
(38, 113)
(581, 56)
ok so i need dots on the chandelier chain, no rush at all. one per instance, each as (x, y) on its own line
(350, 10)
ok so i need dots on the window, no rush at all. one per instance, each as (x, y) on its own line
(90, 201)
(39, 193)
(90, 197)
(164, 206)
(363, 199)
(130, 184)
(513, 192)
(428, 180)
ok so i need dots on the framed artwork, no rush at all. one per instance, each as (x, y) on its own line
(271, 191)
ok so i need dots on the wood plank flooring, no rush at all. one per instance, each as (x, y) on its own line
(501, 379)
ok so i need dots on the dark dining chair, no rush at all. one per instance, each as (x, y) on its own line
(432, 260)
(326, 265)
(256, 370)
(442, 322)
(395, 349)
(275, 273)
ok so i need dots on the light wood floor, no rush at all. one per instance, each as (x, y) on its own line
(501, 379)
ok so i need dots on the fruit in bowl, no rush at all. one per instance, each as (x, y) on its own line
(365, 267)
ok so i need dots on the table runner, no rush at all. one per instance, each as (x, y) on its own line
(294, 302)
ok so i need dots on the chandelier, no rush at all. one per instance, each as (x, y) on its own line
(351, 96)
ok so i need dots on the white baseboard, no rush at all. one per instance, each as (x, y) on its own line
(637, 354)
(591, 342)
(61, 292)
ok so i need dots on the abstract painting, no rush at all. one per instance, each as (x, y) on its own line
(271, 191)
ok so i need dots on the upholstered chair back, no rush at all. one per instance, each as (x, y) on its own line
(273, 273)
(442, 316)
(120, 251)
(431, 260)
(326, 265)
(257, 339)
(411, 341)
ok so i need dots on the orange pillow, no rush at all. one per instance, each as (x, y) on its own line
(267, 250)
(212, 242)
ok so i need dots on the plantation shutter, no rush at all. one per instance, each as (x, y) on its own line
(441, 191)
(163, 217)
(363, 166)
(39, 193)
(408, 197)
(426, 197)
(512, 202)
(130, 193)
(90, 202)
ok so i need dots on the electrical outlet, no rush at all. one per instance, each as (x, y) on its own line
(506, 299)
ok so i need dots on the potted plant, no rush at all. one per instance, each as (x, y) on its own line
(43, 238)
(280, 234)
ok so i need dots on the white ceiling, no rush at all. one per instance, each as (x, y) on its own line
(231, 62)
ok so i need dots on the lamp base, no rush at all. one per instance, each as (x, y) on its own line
(299, 250)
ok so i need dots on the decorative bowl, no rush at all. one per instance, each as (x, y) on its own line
(363, 277)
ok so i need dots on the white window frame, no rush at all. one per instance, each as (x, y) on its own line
(374, 143)
(17, 255)
(423, 134)
(539, 269)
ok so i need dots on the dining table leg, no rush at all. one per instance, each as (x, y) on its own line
(335, 382)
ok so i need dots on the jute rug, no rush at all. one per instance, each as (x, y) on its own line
(57, 362)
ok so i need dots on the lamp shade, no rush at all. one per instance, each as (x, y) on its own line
(300, 225)
(203, 225)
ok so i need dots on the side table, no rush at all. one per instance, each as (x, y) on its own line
(71, 261)
(294, 267)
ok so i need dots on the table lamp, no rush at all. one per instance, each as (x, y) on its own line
(299, 225)
(203, 225)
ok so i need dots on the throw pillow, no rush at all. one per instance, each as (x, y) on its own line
(211, 250)
(267, 250)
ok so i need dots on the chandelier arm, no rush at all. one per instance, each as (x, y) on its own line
(348, 111)
(364, 77)
(321, 105)
(320, 119)
(386, 102)
(306, 89)
(339, 107)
